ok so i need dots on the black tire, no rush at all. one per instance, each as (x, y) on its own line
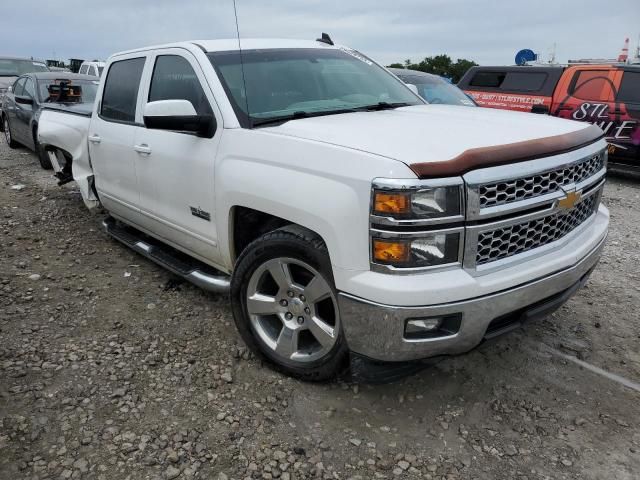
(43, 157)
(296, 244)
(8, 136)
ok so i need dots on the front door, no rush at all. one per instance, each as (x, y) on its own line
(24, 114)
(112, 135)
(176, 169)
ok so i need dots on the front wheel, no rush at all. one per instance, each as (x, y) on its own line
(7, 133)
(285, 304)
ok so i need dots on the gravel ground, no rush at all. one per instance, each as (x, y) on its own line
(112, 369)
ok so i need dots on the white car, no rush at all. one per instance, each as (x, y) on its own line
(94, 69)
(345, 216)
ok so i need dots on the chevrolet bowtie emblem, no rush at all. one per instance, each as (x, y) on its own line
(570, 200)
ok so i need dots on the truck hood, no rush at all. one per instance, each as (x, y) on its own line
(433, 135)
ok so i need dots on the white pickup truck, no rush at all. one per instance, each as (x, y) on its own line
(344, 215)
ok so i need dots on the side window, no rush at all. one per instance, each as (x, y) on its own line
(630, 88)
(18, 87)
(120, 94)
(174, 79)
(488, 79)
(524, 81)
(592, 85)
(29, 89)
(92, 71)
(83, 69)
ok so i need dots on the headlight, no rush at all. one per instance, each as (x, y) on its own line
(416, 250)
(408, 220)
(404, 202)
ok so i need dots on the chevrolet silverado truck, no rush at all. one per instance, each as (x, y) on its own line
(345, 216)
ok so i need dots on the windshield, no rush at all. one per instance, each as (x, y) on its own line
(283, 83)
(15, 68)
(436, 90)
(73, 91)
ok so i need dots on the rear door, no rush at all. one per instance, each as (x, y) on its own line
(176, 169)
(112, 132)
(24, 113)
(10, 107)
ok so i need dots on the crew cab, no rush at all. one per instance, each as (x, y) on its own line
(605, 95)
(345, 216)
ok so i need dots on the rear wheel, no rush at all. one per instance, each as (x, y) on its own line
(7, 133)
(285, 304)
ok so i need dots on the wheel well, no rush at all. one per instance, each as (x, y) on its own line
(249, 224)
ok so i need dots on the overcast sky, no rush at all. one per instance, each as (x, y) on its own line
(489, 32)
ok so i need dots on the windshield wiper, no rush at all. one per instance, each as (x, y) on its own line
(302, 114)
(385, 106)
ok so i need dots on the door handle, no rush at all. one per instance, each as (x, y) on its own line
(143, 149)
(95, 138)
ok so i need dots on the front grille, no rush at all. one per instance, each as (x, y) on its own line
(514, 239)
(504, 192)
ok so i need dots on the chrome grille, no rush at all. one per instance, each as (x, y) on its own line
(514, 239)
(515, 190)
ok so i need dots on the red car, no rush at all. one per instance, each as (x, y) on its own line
(605, 95)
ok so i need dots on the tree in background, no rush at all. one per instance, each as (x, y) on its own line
(439, 65)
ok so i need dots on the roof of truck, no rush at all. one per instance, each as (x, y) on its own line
(231, 44)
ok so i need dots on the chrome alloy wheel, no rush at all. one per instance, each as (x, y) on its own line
(293, 310)
(7, 132)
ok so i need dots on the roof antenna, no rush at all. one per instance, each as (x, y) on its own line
(244, 83)
(324, 39)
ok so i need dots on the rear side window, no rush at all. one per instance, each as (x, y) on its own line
(488, 79)
(524, 81)
(120, 94)
(630, 88)
(83, 69)
(18, 87)
(174, 79)
(92, 71)
(592, 85)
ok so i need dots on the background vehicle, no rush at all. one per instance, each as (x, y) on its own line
(433, 88)
(12, 67)
(92, 68)
(21, 107)
(345, 216)
(605, 95)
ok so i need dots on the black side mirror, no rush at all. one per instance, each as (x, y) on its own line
(543, 109)
(203, 125)
(24, 100)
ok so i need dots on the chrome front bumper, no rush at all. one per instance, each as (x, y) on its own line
(377, 331)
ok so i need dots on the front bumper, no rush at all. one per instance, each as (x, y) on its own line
(377, 331)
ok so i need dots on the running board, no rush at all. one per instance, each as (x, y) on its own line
(192, 270)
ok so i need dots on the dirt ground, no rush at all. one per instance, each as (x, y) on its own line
(111, 369)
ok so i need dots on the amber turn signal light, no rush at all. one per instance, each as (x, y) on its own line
(399, 203)
(391, 252)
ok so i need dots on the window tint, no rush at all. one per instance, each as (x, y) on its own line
(29, 88)
(487, 79)
(121, 90)
(630, 88)
(18, 87)
(524, 81)
(174, 79)
(592, 85)
(83, 69)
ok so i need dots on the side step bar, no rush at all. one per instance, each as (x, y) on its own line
(190, 269)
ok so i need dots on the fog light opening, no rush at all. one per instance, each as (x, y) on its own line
(431, 327)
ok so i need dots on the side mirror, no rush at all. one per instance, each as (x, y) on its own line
(24, 100)
(178, 116)
(543, 109)
(413, 88)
